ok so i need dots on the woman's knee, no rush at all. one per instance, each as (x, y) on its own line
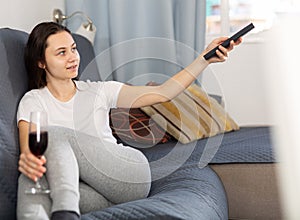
(130, 192)
(91, 200)
(59, 134)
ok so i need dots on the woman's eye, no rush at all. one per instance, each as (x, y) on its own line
(74, 49)
(61, 52)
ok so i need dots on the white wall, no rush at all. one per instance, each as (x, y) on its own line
(241, 81)
(25, 14)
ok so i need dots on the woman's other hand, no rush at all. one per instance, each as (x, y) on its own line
(222, 52)
(32, 166)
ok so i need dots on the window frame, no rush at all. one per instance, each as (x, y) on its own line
(225, 22)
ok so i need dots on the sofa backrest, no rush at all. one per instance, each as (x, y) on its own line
(13, 85)
(88, 69)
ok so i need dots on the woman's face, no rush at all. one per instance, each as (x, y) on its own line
(61, 56)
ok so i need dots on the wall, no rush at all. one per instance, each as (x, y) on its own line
(241, 81)
(24, 14)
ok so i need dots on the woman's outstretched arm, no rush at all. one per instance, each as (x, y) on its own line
(138, 96)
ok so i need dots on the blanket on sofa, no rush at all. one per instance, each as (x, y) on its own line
(173, 175)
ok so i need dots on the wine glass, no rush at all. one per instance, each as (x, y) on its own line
(38, 141)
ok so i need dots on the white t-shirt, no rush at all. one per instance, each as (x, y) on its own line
(87, 111)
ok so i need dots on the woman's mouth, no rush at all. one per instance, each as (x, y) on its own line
(72, 68)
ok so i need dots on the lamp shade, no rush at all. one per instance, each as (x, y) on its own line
(88, 31)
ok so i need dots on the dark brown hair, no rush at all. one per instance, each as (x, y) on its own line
(35, 52)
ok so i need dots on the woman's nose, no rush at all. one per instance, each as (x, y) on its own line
(73, 56)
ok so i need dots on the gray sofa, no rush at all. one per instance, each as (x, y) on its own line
(187, 192)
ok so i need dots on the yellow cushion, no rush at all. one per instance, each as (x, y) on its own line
(192, 115)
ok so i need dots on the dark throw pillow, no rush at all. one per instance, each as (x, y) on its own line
(134, 126)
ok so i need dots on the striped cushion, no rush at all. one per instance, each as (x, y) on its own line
(192, 115)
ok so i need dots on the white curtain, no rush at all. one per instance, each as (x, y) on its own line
(138, 41)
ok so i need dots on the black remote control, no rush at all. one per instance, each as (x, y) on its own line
(226, 43)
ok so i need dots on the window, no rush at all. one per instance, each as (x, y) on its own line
(228, 16)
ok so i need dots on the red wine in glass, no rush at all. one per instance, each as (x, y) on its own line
(38, 141)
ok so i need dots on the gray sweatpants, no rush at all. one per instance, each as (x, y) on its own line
(109, 174)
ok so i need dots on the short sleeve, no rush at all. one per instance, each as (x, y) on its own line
(112, 97)
(28, 103)
(108, 93)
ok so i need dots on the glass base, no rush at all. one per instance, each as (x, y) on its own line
(37, 191)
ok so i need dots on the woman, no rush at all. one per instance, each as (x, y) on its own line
(111, 173)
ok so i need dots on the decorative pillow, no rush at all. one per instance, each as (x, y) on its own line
(134, 126)
(192, 115)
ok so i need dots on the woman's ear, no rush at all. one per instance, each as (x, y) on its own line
(41, 65)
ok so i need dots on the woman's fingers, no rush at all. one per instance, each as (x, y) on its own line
(43, 159)
(222, 52)
(221, 56)
(32, 166)
(215, 43)
(30, 175)
(219, 40)
(238, 41)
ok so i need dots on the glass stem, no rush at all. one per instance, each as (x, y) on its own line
(37, 184)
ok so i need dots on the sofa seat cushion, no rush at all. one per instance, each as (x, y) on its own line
(188, 193)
